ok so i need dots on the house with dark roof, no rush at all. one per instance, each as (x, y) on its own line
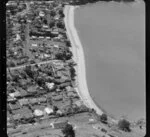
(65, 84)
(14, 106)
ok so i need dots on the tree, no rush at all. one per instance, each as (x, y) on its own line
(16, 78)
(124, 125)
(10, 64)
(72, 73)
(52, 13)
(50, 101)
(68, 131)
(103, 118)
(40, 81)
(52, 24)
(60, 25)
(45, 21)
(23, 75)
(61, 13)
(28, 71)
(68, 44)
(55, 108)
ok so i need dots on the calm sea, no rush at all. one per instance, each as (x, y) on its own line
(113, 38)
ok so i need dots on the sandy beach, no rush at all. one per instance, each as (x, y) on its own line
(78, 57)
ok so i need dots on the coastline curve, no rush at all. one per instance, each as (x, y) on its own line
(78, 57)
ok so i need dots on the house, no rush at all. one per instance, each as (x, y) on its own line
(23, 92)
(46, 55)
(58, 98)
(59, 73)
(48, 110)
(41, 14)
(45, 26)
(41, 37)
(17, 37)
(58, 65)
(54, 94)
(60, 36)
(91, 120)
(15, 94)
(29, 21)
(17, 117)
(56, 46)
(57, 17)
(28, 115)
(14, 106)
(48, 37)
(71, 94)
(50, 85)
(32, 89)
(10, 99)
(41, 99)
(65, 84)
(54, 33)
(69, 88)
(33, 101)
(59, 112)
(58, 90)
(38, 112)
(59, 125)
(33, 37)
(23, 101)
(58, 80)
(47, 30)
(78, 103)
(34, 45)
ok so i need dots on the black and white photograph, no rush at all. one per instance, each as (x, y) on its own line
(75, 68)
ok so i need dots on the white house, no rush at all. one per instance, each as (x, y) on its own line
(48, 38)
(34, 45)
(59, 112)
(45, 26)
(38, 112)
(41, 13)
(41, 37)
(48, 110)
(50, 85)
(56, 46)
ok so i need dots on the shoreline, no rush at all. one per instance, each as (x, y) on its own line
(78, 57)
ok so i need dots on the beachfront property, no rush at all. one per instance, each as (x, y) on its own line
(41, 69)
(38, 77)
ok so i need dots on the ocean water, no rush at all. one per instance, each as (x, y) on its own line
(113, 39)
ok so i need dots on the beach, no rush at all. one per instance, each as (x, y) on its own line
(78, 57)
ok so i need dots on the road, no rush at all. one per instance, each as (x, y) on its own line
(40, 63)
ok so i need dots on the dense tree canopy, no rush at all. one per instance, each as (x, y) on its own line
(68, 131)
(124, 125)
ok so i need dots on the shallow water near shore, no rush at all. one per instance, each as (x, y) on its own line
(113, 39)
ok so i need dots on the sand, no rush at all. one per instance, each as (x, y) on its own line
(78, 57)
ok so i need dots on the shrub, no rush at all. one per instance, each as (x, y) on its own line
(55, 108)
(68, 131)
(103, 118)
(124, 125)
